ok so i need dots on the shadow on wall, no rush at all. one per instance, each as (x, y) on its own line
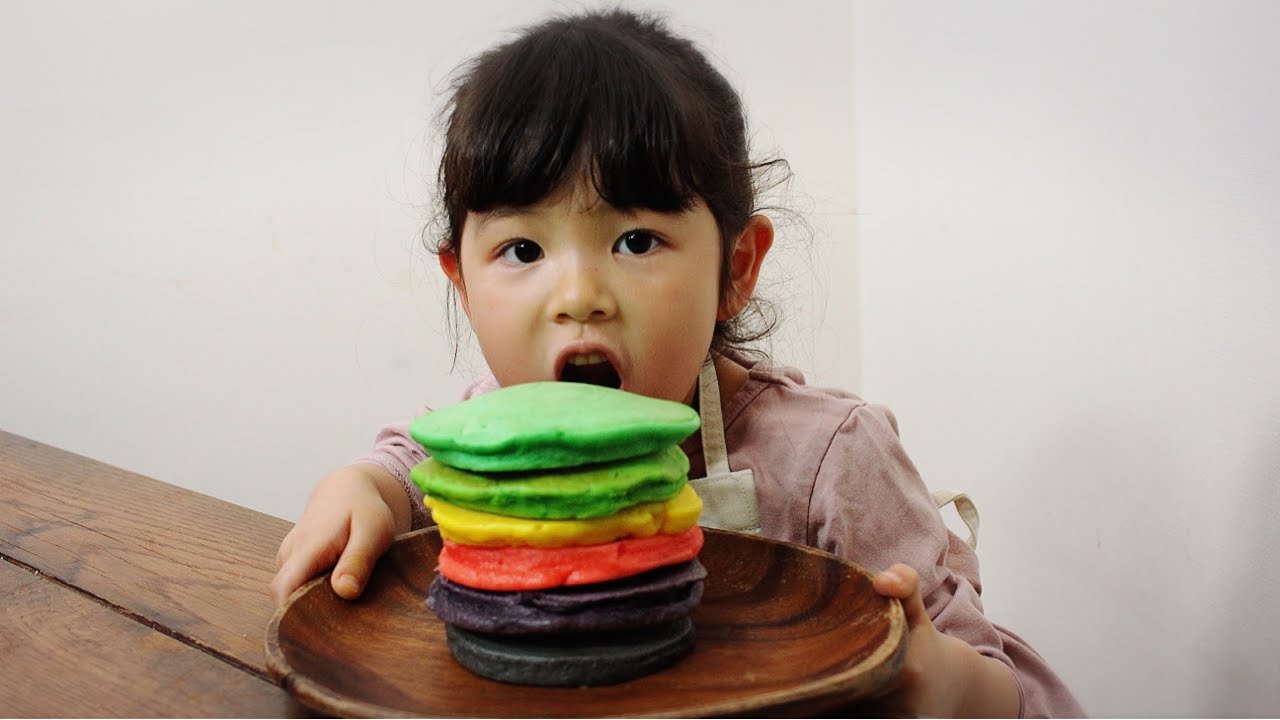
(1117, 561)
(1250, 607)
(1179, 584)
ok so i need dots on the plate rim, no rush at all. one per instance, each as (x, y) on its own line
(319, 697)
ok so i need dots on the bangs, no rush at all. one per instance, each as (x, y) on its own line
(566, 105)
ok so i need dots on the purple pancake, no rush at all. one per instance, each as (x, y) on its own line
(658, 596)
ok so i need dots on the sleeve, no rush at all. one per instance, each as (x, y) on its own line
(395, 451)
(870, 505)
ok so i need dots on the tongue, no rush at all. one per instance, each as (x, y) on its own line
(594, 374)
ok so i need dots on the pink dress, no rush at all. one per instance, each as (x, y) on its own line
(831, 473)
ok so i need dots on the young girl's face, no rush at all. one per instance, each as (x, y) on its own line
(572, 288)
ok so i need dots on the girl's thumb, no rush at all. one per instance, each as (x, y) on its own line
(903, 582)
(369, 538)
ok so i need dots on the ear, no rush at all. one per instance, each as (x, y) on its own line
(744, 266)
(453, 269)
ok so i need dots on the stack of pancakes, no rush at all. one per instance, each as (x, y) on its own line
(570, 532)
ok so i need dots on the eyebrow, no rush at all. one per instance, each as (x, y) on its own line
(500, 212)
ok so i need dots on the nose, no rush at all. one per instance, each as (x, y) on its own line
(583, 292)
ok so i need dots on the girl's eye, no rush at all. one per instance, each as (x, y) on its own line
(636, 242)
(522, 252)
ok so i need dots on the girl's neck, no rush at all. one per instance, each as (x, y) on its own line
(730, 376)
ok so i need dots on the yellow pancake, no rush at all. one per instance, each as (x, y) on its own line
(473, 527)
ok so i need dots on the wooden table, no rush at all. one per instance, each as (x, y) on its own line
(127, 596)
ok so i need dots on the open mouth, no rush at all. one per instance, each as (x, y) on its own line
(593, 369)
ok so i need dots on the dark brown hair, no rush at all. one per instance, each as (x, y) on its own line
(615, 97)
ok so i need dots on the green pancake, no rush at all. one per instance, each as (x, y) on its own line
(546, 425)
(579, 493)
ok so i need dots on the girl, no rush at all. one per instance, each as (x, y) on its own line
(601, 228)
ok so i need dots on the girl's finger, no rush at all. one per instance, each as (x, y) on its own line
(371, 535)
(903, 582)
(304, 558)
(286, 548)
(296, 570)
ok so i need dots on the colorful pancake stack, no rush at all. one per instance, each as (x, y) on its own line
(570, 532)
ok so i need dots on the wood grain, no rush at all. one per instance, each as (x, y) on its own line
(782, 630)
(65, 654)
(192, 564)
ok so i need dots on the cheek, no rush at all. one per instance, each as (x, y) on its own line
(708, 283)
(494, 321)
(686, 319)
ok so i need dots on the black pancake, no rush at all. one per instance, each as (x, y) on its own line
(651, 598)
(572, 660)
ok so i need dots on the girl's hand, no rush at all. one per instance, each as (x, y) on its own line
(942, 676)
(350, 520)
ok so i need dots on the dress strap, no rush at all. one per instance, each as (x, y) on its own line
(714, 452)
(964, 506)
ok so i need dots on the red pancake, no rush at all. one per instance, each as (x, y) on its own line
(536, 568)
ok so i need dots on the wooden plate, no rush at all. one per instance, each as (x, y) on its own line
(782, 630)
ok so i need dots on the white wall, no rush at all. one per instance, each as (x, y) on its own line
(1069, 220)
(210, 218)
